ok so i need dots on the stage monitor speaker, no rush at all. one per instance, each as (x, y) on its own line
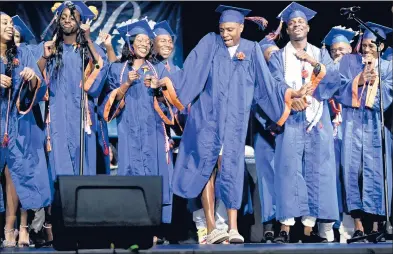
(94, 212)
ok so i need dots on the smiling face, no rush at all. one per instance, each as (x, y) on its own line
(6, 28)
(142, 45)
(297, 29)
(339, 49)
(230, 32)
(370, 49)
(163, 45)
(67, 22)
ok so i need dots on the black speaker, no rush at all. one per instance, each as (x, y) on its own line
(94, 212)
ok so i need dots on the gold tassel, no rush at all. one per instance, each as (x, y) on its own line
(48, 145)
(5, 140)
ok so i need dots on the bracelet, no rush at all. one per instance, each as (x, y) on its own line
(46, 58)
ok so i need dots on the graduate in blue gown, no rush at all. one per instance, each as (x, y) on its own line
(103, 152)
(24, 36)
(164, 45)
(361, 154)
(22, 154)
(143, 142)
(60, 61)
(264, 145)
(61, 64)
(339, 42)
(305, 172)
(227, 72)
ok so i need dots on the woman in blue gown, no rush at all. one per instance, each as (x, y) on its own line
(21, 154)
(143, 143)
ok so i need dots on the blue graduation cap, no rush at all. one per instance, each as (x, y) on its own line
(163, 28)
(266, 43)
(22, 28)
(82, 8)
(232, 14)
(139, 27)
(295, 10)
(388, 54)
(336, 35)
(382, 30)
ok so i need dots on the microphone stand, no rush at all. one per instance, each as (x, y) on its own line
(387, 231)
(84, 44)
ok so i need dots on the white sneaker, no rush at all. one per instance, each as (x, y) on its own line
(217, 236)
(235, 237)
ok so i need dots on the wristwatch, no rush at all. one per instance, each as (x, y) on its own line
(317, 69)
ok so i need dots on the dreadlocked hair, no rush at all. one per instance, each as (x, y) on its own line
(57, 57)
(127, 55)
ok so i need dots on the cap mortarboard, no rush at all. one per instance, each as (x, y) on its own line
(139, 27)
(382, 30)
(295, 10)
(22, 28)
(82, 8)
(336, 35)
(388, 54)
(232, 14)
(164, 28)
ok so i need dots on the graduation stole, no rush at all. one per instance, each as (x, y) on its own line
(4, 143)
(162, 115)
(155, 101)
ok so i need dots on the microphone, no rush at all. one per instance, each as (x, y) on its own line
(344, 11)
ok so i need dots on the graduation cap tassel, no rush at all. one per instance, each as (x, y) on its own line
(260, 21)
(5, 138)
(275, 34)
(357, 48)
(47, 121)
(43, 35)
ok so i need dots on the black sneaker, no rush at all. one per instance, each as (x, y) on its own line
(268, 237)
(358, 233)
(313, 238)
(283, 237)
(37, 239)
(382, 240)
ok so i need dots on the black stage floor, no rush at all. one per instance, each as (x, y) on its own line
(356, 248)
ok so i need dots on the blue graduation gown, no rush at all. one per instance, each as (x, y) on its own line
(362, 144)
(264, 146)
(24, 155)
(337, 150)
(141, 132)
(64, 107)
(305, 171)
(219, 117)
(102, 135)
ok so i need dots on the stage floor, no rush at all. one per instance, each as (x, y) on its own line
(356, 248)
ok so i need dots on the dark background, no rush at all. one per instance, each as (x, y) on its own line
(200, 18)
